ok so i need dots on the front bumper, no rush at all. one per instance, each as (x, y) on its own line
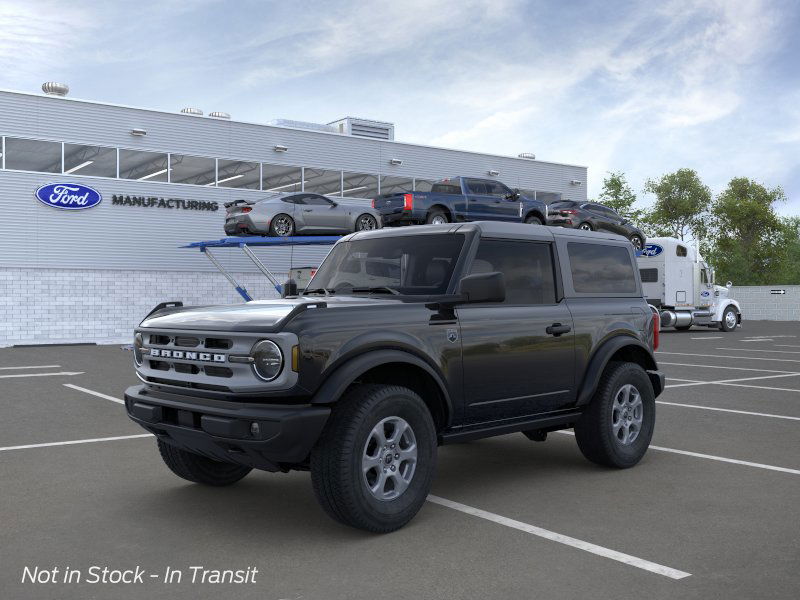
(658, 380)
(224, 430)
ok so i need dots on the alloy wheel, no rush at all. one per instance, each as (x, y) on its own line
(585, 227)
(366, 223)
(389, 458)
(627, 414)
(282, 226)
(439, 220)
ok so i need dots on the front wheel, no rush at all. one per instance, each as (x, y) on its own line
(616, 428)
(533, 220)
(200, 469)
(638, 242)
(281, 226)
(374, 462)
(585, 226)
(729, 320)
(366, 222)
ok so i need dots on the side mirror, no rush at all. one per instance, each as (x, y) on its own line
(483, 287)
(289, 288)
(334, 204)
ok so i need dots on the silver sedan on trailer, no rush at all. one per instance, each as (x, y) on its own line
(298, 213)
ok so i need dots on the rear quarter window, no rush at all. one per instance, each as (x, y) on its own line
(601, 269)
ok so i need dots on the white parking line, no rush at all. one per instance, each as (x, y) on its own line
(756, 340)
(562, 539)
(729, 381)
(71, 442)
(713, 337)
(787, 345)
(723, 367)
(761, 387)
(41, 374)
(759, 350)
(717, 458)
(93, 393)
(720, 356)
(31, 367)
(729, 410)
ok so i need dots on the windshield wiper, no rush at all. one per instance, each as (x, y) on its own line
(381, 289)
(323, 290)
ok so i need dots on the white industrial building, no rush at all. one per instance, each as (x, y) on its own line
(90, 275)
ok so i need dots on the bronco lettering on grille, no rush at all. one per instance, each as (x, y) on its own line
(200, 356)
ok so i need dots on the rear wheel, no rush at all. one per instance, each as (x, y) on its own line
(437, 216)
(585, 226)
(616, 428)
(281, 226)
(729, 320)
(533, 220)
(374, 462)
(200, 469)
(366, 222)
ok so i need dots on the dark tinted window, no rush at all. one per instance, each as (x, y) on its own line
(476, 186)
(526, 266)
(316, 200)
(293, 199)
(681, 251)
(446, 186)
(495, 188)
(600, 269)
(648, 275)
(410, 264)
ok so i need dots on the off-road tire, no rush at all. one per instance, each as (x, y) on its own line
(437, 212)
(723, 325)
(336, 460)
(533, 220)
(272, 230)
(200, 469)
(594, 432)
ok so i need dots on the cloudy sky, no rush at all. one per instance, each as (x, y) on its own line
(641, 87)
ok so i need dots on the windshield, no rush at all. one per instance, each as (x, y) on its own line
(408, 264)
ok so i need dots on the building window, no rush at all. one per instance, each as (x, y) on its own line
(144, 166)
(279, 178)
(97, 161)
(396, 185)
(359, 185)
(238, 174)
(33, 155)
(194, 170)
(321, 181)
(423, 185)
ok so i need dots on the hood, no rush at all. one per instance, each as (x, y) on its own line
(721, 291)
(258, 315)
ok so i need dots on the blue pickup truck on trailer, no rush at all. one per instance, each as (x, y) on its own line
(461, 199)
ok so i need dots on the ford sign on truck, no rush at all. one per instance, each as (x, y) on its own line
(68, 196)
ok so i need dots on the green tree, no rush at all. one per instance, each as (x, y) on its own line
(750, 244)
(617, 194)
(681, 205)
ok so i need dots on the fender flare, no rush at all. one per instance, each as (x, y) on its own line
(535, 212)
(724, 305)
(340, 379)
(601, 358)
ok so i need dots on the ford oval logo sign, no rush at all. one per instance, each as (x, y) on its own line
(68, 196)
(652, 250)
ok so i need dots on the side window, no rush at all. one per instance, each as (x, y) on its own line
(681, 251)
(495, 188)
(315, 200)
(600, 269)
(476, 186)
(526, 266)
(446, 186)
(293, 199)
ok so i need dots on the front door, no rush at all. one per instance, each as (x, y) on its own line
(518, 356)
(321, 214)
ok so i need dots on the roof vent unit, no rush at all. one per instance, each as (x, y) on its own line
(527, 155)
(376, 130)
(51, 88)
(219, 115)
(302, 125)
(192, 111)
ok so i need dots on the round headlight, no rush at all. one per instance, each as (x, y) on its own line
(138, 342)
(268, 360)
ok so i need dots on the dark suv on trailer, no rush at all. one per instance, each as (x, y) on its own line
(404, 340)
(591, 216)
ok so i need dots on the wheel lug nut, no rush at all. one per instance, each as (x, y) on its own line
(392, 446)
(397, 456)
(392, 467)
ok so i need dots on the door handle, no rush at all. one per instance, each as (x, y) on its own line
(557, 329)
(308, 210)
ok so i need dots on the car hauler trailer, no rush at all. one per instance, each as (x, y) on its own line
(679, 283)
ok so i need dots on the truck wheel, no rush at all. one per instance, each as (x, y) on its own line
(729, 321)
(281, 226)
(200, 469)
(616, 428)
(374, 462)
(437, 216)
(533, 220)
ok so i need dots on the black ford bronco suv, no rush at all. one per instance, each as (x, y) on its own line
(406, 339)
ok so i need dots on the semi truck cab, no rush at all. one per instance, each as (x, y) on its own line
(681, 285)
